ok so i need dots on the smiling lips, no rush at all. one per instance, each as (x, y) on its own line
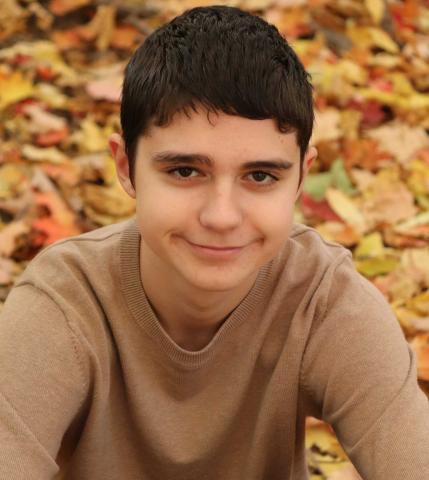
(215, 251)
(216, 248)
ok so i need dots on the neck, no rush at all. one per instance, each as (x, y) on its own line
(189, 315)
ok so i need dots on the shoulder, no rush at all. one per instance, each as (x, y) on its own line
(80, 273)
(305, 240)
(307, 258)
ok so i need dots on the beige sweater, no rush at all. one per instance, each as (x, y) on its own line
(92, 386)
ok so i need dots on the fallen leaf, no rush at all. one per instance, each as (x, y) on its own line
(9, 235)
(52, 138)
(369, 37)
(346, 209)
(42, 121)
(339, 232)
(14, 179)
(420, 344)
(50, 154)
(314, 210)
(376, 9)
(105, 89)
(317, 184)
(417, 225)
(125, 37)
(387, 199)
(61, 7)
(13, 88)
(9, 271)
(347, 473)
(401, 140)
(59, 223)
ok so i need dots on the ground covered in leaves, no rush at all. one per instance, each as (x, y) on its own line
(61, 64)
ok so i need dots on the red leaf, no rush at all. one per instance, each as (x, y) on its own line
(317, 210)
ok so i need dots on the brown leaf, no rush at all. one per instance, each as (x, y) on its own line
(9, 235)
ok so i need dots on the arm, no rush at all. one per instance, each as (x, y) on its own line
(361, 373)
(42, 383)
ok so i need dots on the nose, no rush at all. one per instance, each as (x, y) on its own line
(221, 210)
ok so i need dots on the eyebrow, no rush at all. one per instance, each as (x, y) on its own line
(172, 158)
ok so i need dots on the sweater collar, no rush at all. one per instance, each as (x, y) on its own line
(145, 317)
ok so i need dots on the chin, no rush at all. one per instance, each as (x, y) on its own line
(215, 285)
(218, 281)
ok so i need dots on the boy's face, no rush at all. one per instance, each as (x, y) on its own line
(208, 218)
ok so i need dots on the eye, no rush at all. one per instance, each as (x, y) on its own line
(263, 178)
(182, 172)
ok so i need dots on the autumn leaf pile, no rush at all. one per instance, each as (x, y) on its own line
(61, 67)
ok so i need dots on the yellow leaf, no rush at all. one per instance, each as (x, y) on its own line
(385, 60)
(420, 344)
(332, 456)
(371, 267)
(91, 137)
(351, 71)
(400, 84)
(416, 221)
(112, 201)
(418, 181)
(14, 88)
(13, 179)
(50, 154)
(43, 52)
(420, 303)
(51, 95)
(346, 208)
(370, 246)
(369, 37)
(376, 9)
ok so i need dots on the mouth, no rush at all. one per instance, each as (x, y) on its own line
(213, 247)
(215, 251)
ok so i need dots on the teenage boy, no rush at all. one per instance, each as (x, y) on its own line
(191, 341)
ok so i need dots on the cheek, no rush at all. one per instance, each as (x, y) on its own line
(162, 210)
(275, 223)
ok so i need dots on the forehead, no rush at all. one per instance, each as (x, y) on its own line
(219, 134)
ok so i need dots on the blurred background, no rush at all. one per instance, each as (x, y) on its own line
(61, 67)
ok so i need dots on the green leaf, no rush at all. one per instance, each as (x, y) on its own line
(340, 178)
(316, 185)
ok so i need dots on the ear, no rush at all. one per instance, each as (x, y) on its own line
(310, 156)
(117, 148)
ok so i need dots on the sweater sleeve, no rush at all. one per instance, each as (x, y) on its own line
(42, 383)
(361, 374)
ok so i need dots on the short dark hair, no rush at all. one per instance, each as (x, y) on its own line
(224, 59)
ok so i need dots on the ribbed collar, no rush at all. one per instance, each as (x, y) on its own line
(143, 314)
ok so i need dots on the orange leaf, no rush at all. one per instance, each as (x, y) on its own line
(60, 221)
(66, 39)
(61, 7)
(54, 137)
(420, 344)
(124, 36)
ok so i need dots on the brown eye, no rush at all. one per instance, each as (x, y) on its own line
(263, 178)
(259, 176)
(182, 173)
(185, 171)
